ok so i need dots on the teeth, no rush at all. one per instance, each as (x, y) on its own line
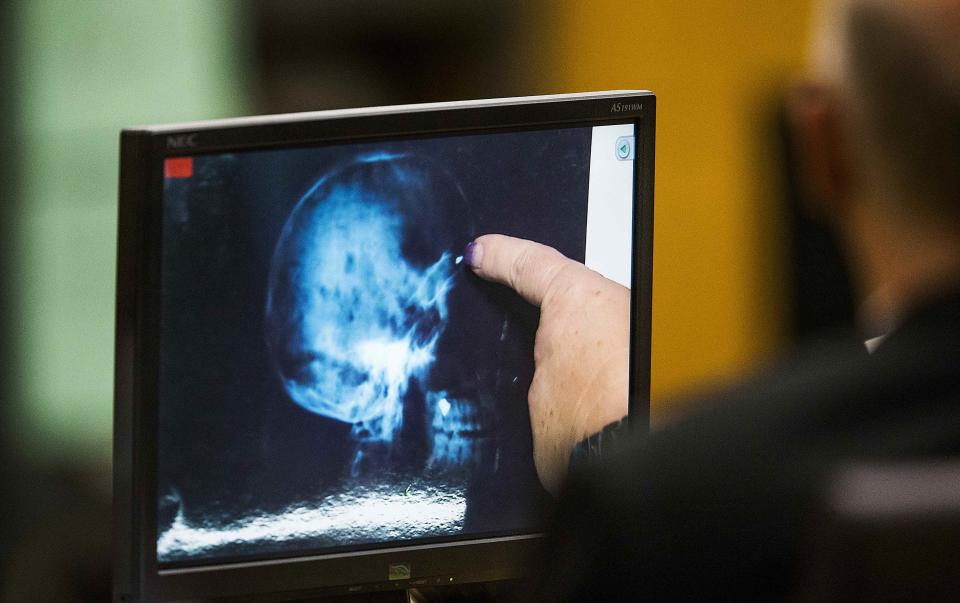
(459, 431)
(451, 449)
(454, 415)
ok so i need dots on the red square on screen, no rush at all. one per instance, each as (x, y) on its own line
(178, 167)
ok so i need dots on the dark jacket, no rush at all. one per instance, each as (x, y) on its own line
(716, 505)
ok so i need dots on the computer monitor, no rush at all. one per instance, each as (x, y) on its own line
(313, 393)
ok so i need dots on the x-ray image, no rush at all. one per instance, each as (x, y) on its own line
(332, 376)
(357, 300)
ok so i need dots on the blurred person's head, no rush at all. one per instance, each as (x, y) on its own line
(878, 131)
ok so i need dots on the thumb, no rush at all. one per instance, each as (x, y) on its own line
(526, 267)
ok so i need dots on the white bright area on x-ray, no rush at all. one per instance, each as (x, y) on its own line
(378, 514)
(610, 205)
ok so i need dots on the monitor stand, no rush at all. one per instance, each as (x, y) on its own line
(467, 593)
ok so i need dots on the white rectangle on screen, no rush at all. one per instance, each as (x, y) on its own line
(609, 241)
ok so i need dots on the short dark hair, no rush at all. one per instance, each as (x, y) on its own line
(909, 93)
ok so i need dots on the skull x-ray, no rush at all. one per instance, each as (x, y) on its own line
(358, 292)
(332, 376)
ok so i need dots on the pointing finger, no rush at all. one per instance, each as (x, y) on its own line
(526, 267)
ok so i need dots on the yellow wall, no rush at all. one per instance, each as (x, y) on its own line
(716, 67)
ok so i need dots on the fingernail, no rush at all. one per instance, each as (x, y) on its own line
(473, 254)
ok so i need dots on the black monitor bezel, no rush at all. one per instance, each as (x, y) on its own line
(142, 151)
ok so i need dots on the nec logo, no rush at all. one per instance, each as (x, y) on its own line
(182, 141)
(621, 107)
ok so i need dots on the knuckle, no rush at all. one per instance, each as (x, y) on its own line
(520, 267)
(555, 282)
(538, 353)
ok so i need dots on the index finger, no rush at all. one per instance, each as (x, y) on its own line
(525, 266)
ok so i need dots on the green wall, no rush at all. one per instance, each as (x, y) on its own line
(85, 69)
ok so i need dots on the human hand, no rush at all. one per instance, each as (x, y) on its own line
(581, 353)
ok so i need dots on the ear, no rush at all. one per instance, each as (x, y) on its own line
(823, 163)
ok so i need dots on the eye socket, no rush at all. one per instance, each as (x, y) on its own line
(427, 325)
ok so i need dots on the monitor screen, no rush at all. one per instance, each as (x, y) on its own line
(314, 393)
(331, 376)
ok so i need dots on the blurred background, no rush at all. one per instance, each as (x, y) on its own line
(739, 276)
